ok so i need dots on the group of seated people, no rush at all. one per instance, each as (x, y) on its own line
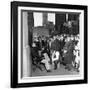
(53, 51)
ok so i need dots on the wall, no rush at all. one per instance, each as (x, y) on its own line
(5, 46)
(40, 31)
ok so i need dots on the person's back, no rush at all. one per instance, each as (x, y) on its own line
(69, 56)
(55, 45)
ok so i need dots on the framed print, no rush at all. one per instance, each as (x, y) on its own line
(48, 44)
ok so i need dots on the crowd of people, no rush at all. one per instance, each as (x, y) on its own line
(55, 50)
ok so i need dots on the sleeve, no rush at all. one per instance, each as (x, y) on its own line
(57, 56)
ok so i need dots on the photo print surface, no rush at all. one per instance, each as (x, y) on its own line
(50, 45)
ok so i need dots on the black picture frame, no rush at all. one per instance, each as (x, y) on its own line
(14, 44)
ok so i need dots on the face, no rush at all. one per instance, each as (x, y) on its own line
(45, 55)
(65, 51)
(69, 24)
(61, 37)
(72, 38)
(33, 45)
(54, 37)
(35, 39)
(67, 39)
(40, 39)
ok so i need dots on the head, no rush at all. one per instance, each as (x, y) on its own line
(69, 24)
(39, 38)
(33, 44)
(67, 39)
(72, 37)
(61, 37)
(76, 52)
(54, 37)
(35, 38)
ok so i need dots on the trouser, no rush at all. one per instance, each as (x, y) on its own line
(56, 64)
(69, 66)
(36, 63)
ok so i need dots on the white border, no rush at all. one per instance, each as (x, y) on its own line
(51, 78)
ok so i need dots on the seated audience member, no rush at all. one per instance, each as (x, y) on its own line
(35, 56)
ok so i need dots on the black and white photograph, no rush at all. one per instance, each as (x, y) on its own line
(50, 44)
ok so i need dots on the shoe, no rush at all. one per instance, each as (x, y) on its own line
(48, 70)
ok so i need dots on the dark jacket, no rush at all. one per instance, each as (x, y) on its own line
(69, 56)
(55, 45)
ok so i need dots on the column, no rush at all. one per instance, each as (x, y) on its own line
(26, 48)
(45, 19)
